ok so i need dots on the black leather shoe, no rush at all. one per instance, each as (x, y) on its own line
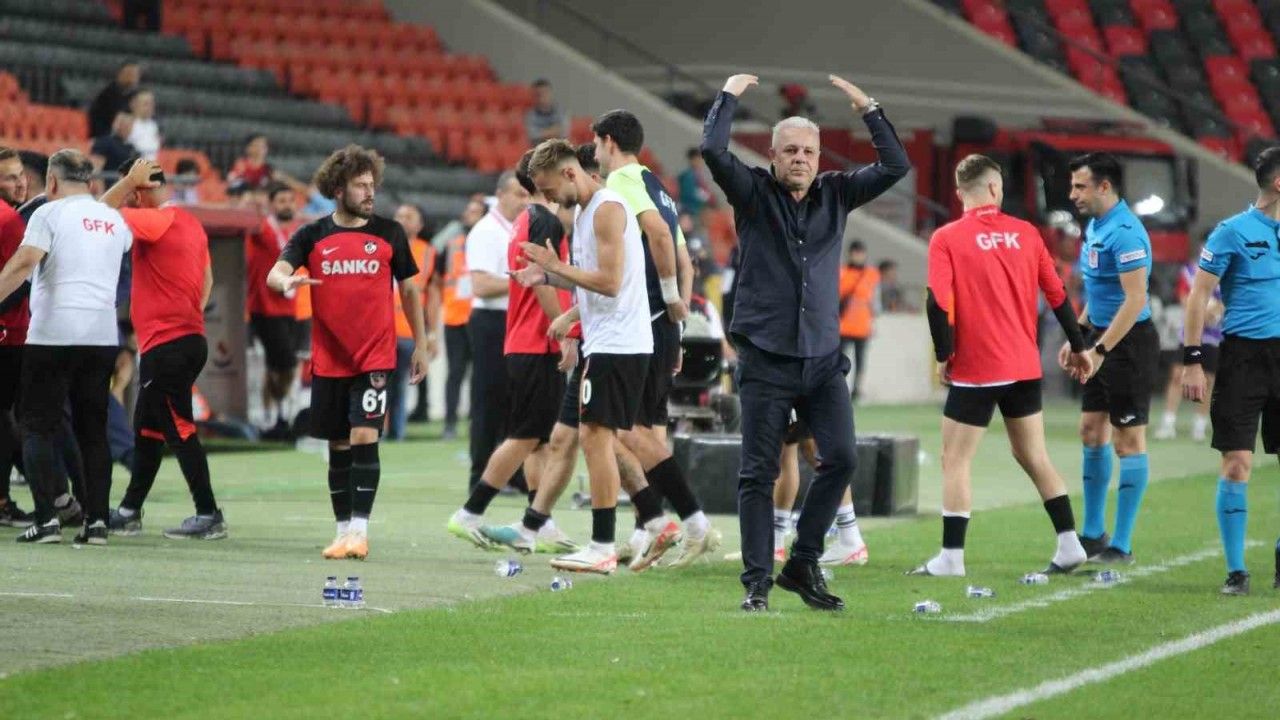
(805, 580)
(757, 599)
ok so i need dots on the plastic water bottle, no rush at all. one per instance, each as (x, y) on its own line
(559, 583)
(927, 607)
(330, 594)
(827, 574)
(507, 568)
(1107, 577)
(354, 593)
(1035, 578)
(974, 591)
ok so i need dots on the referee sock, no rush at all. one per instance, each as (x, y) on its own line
(365, 472)
(1233, 517)
(1097, 479)
(340, 486)
(481, 495)
(1134, 472)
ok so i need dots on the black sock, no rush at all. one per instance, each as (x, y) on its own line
(953, 529)
(534, 520)
(195, 468)
(648, 505)
(365, 472)
(667, 478)
(146, 463)
(481, 495)
(340, 484)
(532, 495)
(1059, 510)
(604, 523)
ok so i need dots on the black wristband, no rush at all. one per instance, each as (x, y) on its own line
(1192, 354)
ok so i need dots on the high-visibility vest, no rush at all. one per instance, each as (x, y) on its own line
(425, 257)
(857, 293)
(456, 298)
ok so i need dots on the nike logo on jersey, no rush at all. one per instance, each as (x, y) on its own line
(328, 250)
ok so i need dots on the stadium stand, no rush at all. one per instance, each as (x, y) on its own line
(1205, 68)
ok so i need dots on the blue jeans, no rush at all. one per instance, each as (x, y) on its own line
(399, 388)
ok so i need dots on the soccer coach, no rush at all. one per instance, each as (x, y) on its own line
(786, 324)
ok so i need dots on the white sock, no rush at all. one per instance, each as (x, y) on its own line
(1170, 419)
(696, 525)
(1200, 423)
(948, 561)
(465, 515)
(781, 526)
(360, 526)
(1070, 551)
(526, 533)
(604, 548)
(549, 525)
(847, 524)
(640, 538)
(344, 526)
(126, 512)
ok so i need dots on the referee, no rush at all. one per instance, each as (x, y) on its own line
(1243, 254)
(73, 244)
(786, 323)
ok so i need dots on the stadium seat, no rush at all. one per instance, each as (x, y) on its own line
(1122, 41)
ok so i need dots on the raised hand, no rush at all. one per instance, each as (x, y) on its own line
(859, 99)
(738, 84)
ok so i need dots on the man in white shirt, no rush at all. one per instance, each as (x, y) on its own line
(71, 251)
(608, 276)
(487, 261)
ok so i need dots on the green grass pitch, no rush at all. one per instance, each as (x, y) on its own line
(150, 628)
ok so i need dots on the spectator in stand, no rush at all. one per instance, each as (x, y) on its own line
(252, 171)
(695, 185)
(184, 182)
(141, 15)
(271, 314)
(859, 303)
(112, 150)
(113, 99)
(145, 134)
(544, 120)
(411, 219)
(796, 102)
(456, 311)
(892, 297)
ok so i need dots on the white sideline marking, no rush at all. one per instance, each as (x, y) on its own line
(998, 611)
(1001, 704)
(194, 601)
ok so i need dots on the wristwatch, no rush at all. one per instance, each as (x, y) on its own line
(1100, 349)
(872, 106)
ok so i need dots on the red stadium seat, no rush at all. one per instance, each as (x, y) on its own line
(1124, 41)
(1254, 44)
(1155, 15)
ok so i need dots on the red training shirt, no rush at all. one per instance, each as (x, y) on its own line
(170, 256)
(527, 324)
(14, 321)
(352, 324)
(262, 250)
(985, 270)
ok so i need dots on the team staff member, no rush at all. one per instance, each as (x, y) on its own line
(487, 262)
(1242, 255)
(1116, 261)
(859, 293)
(272, 316)
(353, 259)
(73, 244)
(172, 279)
(985, 273)
(786, 323)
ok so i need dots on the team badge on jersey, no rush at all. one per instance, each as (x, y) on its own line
(377, 379)
(1093, 258)
(371, 247)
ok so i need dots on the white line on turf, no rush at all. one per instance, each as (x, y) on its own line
(1001, 704)
(995, 612)
(191, 601)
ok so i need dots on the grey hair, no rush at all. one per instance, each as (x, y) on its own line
(506, 177)
(795, 121)
(71, 166)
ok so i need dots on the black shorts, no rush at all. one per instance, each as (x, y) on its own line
(277, 335)
(1122, 387)
(1208, 359)
(611, 389)
(339, 404)
(571, 403)
(535, 389)
(797, 430)
(661, 373)
(165, 377)
(1247, 387)
(975, 405)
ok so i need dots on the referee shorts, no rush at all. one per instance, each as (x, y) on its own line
(1247, 388)
(1123, 385)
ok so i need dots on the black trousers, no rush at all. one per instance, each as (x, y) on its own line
(52, 375)
(457, 347)
(769, 386)
(488, 330)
